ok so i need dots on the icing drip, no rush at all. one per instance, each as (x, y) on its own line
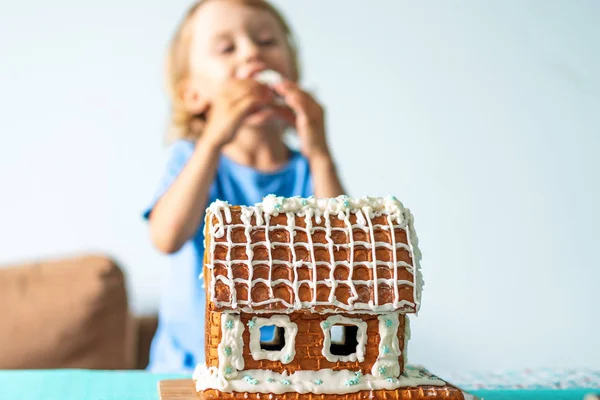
(350, 229)
(245, 217)
(330, 243)
(319, 382)
(269, 247)
(311, 246)
(395, 258)
(367, 211)
(291, 222)
(387, 364)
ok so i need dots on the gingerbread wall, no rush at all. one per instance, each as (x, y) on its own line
(308, 345)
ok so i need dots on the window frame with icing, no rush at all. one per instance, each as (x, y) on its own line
(361, 338)
(290, 329)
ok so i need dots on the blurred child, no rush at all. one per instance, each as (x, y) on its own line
(228, 144)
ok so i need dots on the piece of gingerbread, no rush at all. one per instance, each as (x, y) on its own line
(307, 299)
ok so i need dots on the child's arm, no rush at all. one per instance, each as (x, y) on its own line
(308, 118)
(178, 214)
(326, 182)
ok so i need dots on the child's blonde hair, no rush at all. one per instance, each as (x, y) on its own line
(183, 124)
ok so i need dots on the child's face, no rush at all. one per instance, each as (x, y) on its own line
(233, 40)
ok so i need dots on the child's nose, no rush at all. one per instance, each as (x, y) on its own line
(250, 51)
(250, 61)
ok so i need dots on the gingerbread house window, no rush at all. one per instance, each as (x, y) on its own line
(344, 339)
(273, 338)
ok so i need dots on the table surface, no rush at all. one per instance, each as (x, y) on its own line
(141, 385)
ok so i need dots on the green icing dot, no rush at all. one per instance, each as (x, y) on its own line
(270, 380)
(352, 382)
(386, 350)
(388, 323)
(382, 370)
(227, 351)
(229, 324)
(228, 370)
(326, 324)
(318, 382)
(251, 324)
(285, 382)
(250, 380)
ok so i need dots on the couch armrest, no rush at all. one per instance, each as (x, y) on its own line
(68, 313)
(146, 326)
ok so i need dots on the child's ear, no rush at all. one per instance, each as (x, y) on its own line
(192, 98)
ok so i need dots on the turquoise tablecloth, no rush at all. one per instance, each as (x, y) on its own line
(140, 385)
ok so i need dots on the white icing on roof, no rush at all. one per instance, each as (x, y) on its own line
(365, 209)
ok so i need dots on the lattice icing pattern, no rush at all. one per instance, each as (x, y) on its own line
(321, 255)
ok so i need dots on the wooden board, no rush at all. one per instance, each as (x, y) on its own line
(184, 389)
(177, 389)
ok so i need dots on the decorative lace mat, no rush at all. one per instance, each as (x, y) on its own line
(536, 379)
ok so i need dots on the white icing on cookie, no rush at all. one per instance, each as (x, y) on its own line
(285, 355)
(387, 363)
(231, 347)
(320, 381)
(365, 209)
(269, 77)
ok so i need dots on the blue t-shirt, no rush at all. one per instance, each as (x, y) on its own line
(179, 341)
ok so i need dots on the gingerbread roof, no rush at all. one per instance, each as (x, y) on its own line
(313, 255)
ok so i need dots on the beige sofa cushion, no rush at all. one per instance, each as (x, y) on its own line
(69, 313)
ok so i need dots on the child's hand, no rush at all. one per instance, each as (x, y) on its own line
(307, 116)
(236, 101)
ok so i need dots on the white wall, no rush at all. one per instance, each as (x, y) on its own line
(483, 117)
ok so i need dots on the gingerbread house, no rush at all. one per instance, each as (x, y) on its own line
(307, 298)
